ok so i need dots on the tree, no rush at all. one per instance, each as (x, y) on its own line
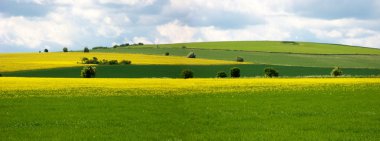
(239, 59)
(336, 72)
(191, 55)
(221, 74)
(140, 44)
(88, 72)
(46, 50)
(187, 74)
(270, 72)
(65, 49)
(86, 50)
(166, 53)
(235, 72)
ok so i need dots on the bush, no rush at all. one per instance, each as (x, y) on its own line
(99, 48)
(336, 72)
(104, 62)
(221, 74)
(235, 72)
(65, 49)
(191, 55)
(115, 46)
(113, 62)
(187, 74)
(1, 75)
(125, 62)
(166, 53)
(46, 50)
(140, 44)
(88, 72)
(239, 59)
(86, 50)
(270, 72)
(184, 47)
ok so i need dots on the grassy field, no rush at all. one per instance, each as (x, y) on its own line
(277, 46)
(195, 109)
(200, 71)
(353, 61)
(31, 61)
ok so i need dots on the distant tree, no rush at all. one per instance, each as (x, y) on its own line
(221, 74)
(125, 62)
(184, 47)
(46, 50)
(187, 74)
(140, 44)
(1, 75)
(86, 50)
(115, 46)
(65, 49)
(270, 72)
(239, 59)
(166, 53)
(235, 72)
(88, 72)
(39, 51)
(191, 55)
(113, 62)
(336, 72)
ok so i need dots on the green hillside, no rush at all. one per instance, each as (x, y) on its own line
(279, 46)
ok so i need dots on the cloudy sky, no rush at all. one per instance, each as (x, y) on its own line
(31, 25)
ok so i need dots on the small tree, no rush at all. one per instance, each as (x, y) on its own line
(125, 62)
(113, 62)
(140, 44)
(65, 49)
(46, 50)
(239, 59)
(235, 72)
(191, 55)
(1, 75)
(336, 72)
(86, 50)
(221, 74)
(187, 74)
(88, 72)
(270, 72)
(166, 53)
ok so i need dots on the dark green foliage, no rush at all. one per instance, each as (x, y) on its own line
(113, 62)
(65, 49)
(140, 44)
(184, 47)
(86, 50)
(46, 50)
(88, 72)
(104, 62)
(94, 48)
(115, 46)
(1, 75)
(221, 74)
(166, 53)
(187, 74)
(239, 59)
(336, 72)
(191, 55)
(235, 72)
(270, 72)
(125, 62)
(94, 60)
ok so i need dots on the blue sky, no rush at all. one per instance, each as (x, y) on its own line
(32, 25)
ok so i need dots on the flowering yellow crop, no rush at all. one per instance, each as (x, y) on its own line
(178, 86)
(30, 61)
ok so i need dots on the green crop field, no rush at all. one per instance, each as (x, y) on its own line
(353, 61)
(277, 46)
(200, 71)
(195, 109)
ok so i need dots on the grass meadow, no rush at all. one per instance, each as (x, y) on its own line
(190, 109)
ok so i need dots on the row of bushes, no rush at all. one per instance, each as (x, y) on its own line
(235, 73)
(95, 60)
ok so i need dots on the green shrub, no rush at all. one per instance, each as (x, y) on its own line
(235, 72)
(65, 49)
(166, 53)
(1, 75)
(113, 62)
(125, 62)
(140, 44)
(191, 55)
(84, 60)
(46, 50)
(336, 72)
(86, 50)
(221, 74)
(270, 72)
(88, 72)
(239, 59)
(184, 47)
(187, 74)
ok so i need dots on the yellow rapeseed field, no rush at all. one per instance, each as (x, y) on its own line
(30, 61)
(179, 86)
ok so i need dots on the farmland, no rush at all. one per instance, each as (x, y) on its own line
(194, 109)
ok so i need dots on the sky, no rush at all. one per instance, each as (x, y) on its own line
(32, 25)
